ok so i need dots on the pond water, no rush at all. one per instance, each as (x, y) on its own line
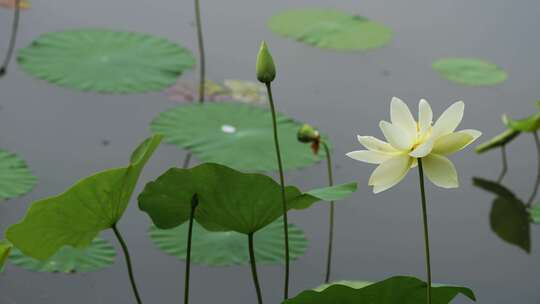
(61, 134)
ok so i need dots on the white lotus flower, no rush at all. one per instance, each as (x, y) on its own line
(409, 140)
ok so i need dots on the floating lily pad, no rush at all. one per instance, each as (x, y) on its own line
(230, 248)
(535, 213)
(5, 248)
(470, 71)
(497, 141)
(331, 29)
(229, 200)
(106, 61)
(402, 290)
(352, 284)
(15, 177)
(76, 216)
(99, 255)
(234, 134)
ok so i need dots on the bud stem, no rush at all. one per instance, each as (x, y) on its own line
(282, 182)
(332, 207)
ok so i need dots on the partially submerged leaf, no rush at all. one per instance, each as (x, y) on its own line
(15, 177)
(233, 134)
(470, 71)
(528, 124)
(99, 255)
(509, 219)
(230, 248)
(331, 29)
(5, 248)
(106, 61)
(229, 200)
(76, 216)
(497, 141)
(400, 289)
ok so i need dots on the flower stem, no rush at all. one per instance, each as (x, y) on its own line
(504, 164)
(128, 263)
(13, 38)
(254, 268)
(535, 190)
(194, 203)
(202, 69)
(331, 222)
(283, 199)
(426, 231)
(202, 59)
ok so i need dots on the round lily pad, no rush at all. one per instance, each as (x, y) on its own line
(470, 71)
(234, 134)
(99, 255)
(106, 61)
(331, 29)
(15, 177)
(230, 248)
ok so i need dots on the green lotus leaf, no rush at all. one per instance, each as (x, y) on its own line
(105, 61)
(99, 255)
(535, 213)
(233, 134)
(400, 289)
(331, 29)
(230, 248)
(529, 124)
(510, 220)
(5, 248)
(76, 216)
(470, 71)
(497, 141)
(229, 200)
(352, 284)
(15, 177)
(493, 187)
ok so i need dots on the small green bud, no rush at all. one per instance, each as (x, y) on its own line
(266, 70)
(307, 134)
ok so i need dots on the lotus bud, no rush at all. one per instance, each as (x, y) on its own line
(266, 70)
(307, 134)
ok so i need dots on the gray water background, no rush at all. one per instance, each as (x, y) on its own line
(59, 133)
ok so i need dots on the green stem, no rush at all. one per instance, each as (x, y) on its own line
(13, 38)
(194, 203)
(535, 190)
(254, 268)
(202, 69)
(504, 164)
(187, 158)
(283, 199)
(426, 231)
(128, 263)
(202, 58)
(331, 222)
